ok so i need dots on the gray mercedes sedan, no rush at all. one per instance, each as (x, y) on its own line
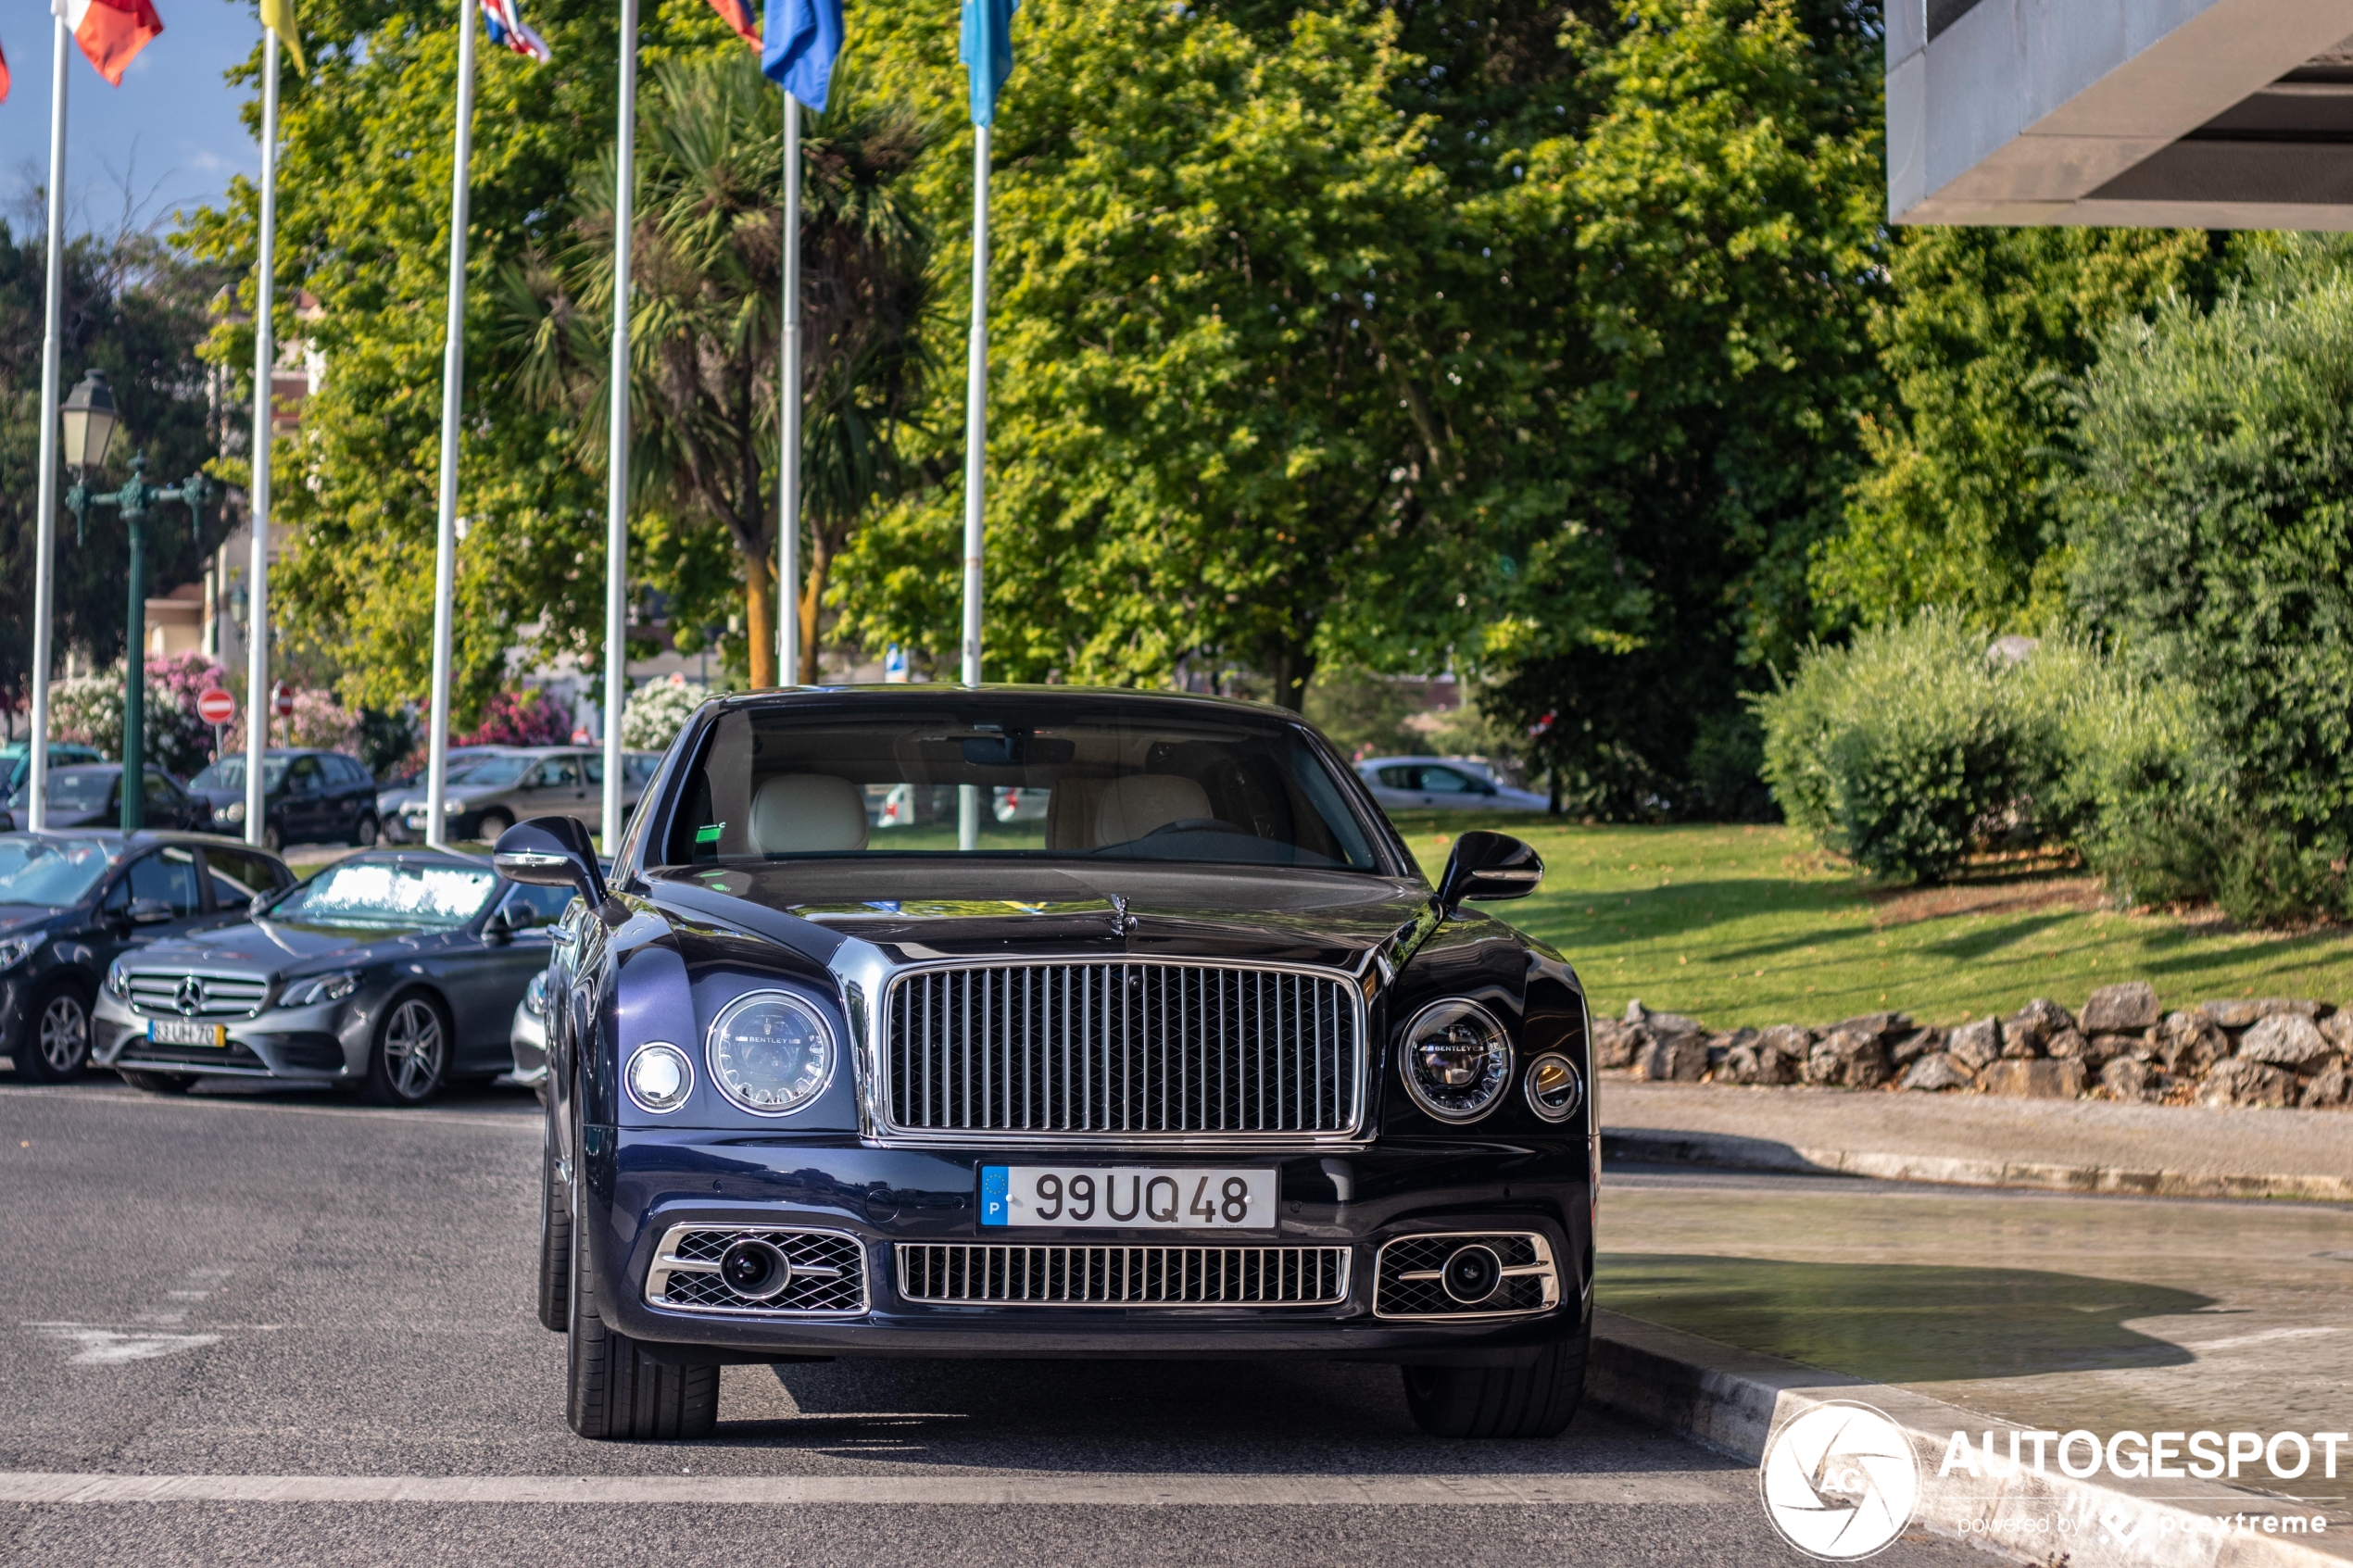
(391, 972)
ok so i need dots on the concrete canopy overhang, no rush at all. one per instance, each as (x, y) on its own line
(2217, 114)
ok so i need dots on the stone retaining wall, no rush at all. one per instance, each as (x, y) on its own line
(2270, 1051)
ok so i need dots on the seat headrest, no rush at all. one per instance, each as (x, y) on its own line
(1134, 806)
(807, 814)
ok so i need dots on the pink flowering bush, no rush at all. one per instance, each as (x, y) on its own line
(527, 718)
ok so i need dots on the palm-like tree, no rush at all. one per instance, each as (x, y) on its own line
(705, 317)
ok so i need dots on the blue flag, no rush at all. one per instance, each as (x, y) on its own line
(988, 53)
(798, 45)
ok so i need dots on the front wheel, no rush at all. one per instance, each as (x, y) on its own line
(612, 1387)
(554, 1236)
(274, 838)
(158, 1082)
(493, 824)
(56, 1037)
(363, 833)
(410, 1060)
(1537, 1401)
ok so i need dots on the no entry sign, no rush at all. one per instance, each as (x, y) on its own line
(282, 700)
(216, 707)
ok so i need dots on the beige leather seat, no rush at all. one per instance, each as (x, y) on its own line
(807, 814)
(1134, 806)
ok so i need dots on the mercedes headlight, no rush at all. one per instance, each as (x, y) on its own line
(453, 807)
(119, 980)
(14, 951)
(659, 1077)
(1457, 1060)
(770, 1053)
(534, 995)
(233, 813)
(320, 988)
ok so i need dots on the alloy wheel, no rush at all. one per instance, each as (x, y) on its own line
(65, 1033)
(414, 1047)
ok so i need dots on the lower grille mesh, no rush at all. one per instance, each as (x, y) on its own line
(1408, 1281)
(967, 1273)
(828, 1272)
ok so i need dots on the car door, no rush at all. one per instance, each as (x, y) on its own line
(168, 805)
(569, 788)
(1393, 785)
(486, 982)
(235, 878)
(356, 798)
(167, 875)
(1450, 788)
(308, 807)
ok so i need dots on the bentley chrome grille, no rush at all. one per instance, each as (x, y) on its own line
(175, 993)
(823, 1273)
(979, 1274)
(1117, 1048)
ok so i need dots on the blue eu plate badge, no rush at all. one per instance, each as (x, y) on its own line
(993, 1195)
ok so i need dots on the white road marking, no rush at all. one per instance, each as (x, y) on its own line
(107, 1347)
(1646, 1487)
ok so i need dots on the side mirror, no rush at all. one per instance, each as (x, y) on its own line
(1489, 865)
(495, 931)
(551, 852)
(147, 911)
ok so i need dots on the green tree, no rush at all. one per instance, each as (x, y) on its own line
(1985, 337)
(706, 319)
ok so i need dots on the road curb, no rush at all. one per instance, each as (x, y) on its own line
(1732, 1400)
(1725, 1151)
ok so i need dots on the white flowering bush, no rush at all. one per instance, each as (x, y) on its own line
(657, 711)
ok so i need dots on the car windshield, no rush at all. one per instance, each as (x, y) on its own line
(82, 789)
(1015, 774)
(383, 893)
(498, 772)
(49, 871)
(229, 773)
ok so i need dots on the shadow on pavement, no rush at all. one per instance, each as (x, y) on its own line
(1901, 1322)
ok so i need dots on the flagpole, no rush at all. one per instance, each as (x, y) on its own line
(265, 359)
(788, 408)
(976, 446)
(45, 572)
(453, 377)
(617, 452)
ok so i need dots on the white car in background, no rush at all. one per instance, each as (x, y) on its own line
(1419, 782)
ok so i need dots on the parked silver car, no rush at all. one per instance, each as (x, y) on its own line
(1447, 782)
(519, 782)
(394, 800)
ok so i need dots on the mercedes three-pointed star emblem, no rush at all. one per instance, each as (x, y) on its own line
(190, 996)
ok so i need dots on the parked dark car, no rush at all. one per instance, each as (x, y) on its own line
(391, 972)
(90, 795)
(310, 797)
(1194, 1063)
(71, 902)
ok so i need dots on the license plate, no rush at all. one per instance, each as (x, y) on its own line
(178, 1031)
(1128, 1198)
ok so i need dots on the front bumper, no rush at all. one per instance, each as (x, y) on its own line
(527, 1038)
(327, 1044)
(639, 1186)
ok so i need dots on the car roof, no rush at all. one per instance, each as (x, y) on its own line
(945, 691)
(139, 838)
(1450, 761)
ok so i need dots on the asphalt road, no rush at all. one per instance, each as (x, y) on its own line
(277, 1328)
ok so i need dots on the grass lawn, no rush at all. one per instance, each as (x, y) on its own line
(1750, 925)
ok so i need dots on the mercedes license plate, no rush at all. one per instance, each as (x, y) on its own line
(183, 1032)
(1128, 1198)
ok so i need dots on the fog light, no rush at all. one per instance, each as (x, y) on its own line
(1457, 1060)
(1554, 1091)
(755, 1268)
(1472, 1274)
(660, 1078)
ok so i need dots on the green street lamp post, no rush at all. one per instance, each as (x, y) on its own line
(89, 425)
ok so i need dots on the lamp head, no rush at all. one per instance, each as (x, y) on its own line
(88, 420)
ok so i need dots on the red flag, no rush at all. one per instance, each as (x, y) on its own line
(111, 31)
(738, 15)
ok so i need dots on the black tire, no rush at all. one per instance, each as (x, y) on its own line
(555, 1238)
(158, 1082)
(55, 1045)
(613, 1389)
(1538, 1400)
(493, 823)
(365, 832)
(409, 1063)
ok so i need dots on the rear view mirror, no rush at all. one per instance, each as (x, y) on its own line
(551, 852)
(147, 911)
(1487, 866)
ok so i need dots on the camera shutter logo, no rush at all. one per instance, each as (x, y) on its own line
(1840, 1482)
(190, 997)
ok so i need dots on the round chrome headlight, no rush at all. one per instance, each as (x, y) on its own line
(770, 1053)
(1457, 1060)
(659, 1077)
(1554, 1091)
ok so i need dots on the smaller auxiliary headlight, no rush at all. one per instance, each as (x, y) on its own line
(659, 1077)
(1554, 1091)
(1457, 1060)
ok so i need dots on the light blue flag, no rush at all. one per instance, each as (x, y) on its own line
(988, 53)
(799, 41)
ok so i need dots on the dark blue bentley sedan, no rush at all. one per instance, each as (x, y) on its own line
(1192, 1063)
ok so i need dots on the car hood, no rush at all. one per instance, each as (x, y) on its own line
(916, 910)
(16, 918)
(268, 947)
